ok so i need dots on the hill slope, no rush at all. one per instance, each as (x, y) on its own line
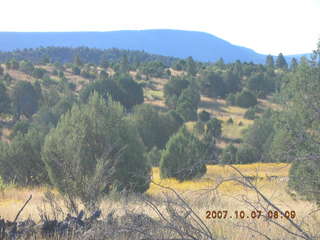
(201, 46)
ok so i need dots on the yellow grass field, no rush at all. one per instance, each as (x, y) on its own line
(203, 195)
(217, 173)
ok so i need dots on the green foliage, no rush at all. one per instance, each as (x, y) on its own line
(231, 82)
(55, 72)
(247, 154)
(260, 135)
(187, 111)
(124, 64)
(230, 121)
(293, 64)
(4, 99)
(229, 155)
(7, 78)
(103, 75)
(1, 70)
(179, 65)
(277, 146)
(93, 149)
(47, 81)
(77, 61)
(191, 66)
(220, 63)
(214, 128)
(86, 55)
(155, 128)
(149, 125)
(298, 138)
(173, 89)
(304, 177)
(8, 65)
(250, 113)
(20, 161)
(24, 99)
(61, 74)
(153, 69)
(269, 61)
(104, 63)
(184, 157)
(26, 67)
(20, 127)
(204, 116)
(38, 73)
(187, 103)
(76, 70)
(132, 92)
(261, 83)
(154, 156)
(85, 73)
(47, 117)
(231, 99)
(245, 99)
(45, 60)
(199, 128)
(212, 84)
(14, 65)
(121, 88)
(281, 62)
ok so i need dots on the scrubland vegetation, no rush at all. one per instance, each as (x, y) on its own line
(167, 139)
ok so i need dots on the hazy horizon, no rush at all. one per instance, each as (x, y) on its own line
(267, 27)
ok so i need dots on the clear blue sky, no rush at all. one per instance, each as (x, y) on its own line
(267, 26)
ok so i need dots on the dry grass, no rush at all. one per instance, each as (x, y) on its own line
(5, 134)
(230, 196)
(176, 73)
(20, 76)
(216, 173)
(201, 196)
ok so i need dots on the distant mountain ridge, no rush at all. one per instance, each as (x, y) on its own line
(175, 43)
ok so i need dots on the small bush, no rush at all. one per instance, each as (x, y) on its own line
(154, 156)
(7, 78)
(231, 99)
(250, 113)
(21, 126)
(230, 121)
(245, 99)
(204, 116)
(214, 128)
(47, 81)
(184, 157)
(199, 128)
(247, 154)
(229, 155)
(76, 70)
(55, 72)
(72, 86)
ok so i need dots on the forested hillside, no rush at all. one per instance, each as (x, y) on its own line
(216, 102)
(91, 123)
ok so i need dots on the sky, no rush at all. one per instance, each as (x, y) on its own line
(266, 26)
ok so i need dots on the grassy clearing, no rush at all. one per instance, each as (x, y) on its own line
(216, 173)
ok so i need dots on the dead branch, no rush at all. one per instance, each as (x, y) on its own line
(296, 226)
(25, 204)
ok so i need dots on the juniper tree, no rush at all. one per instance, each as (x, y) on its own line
(184, 157)
(95, 149)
